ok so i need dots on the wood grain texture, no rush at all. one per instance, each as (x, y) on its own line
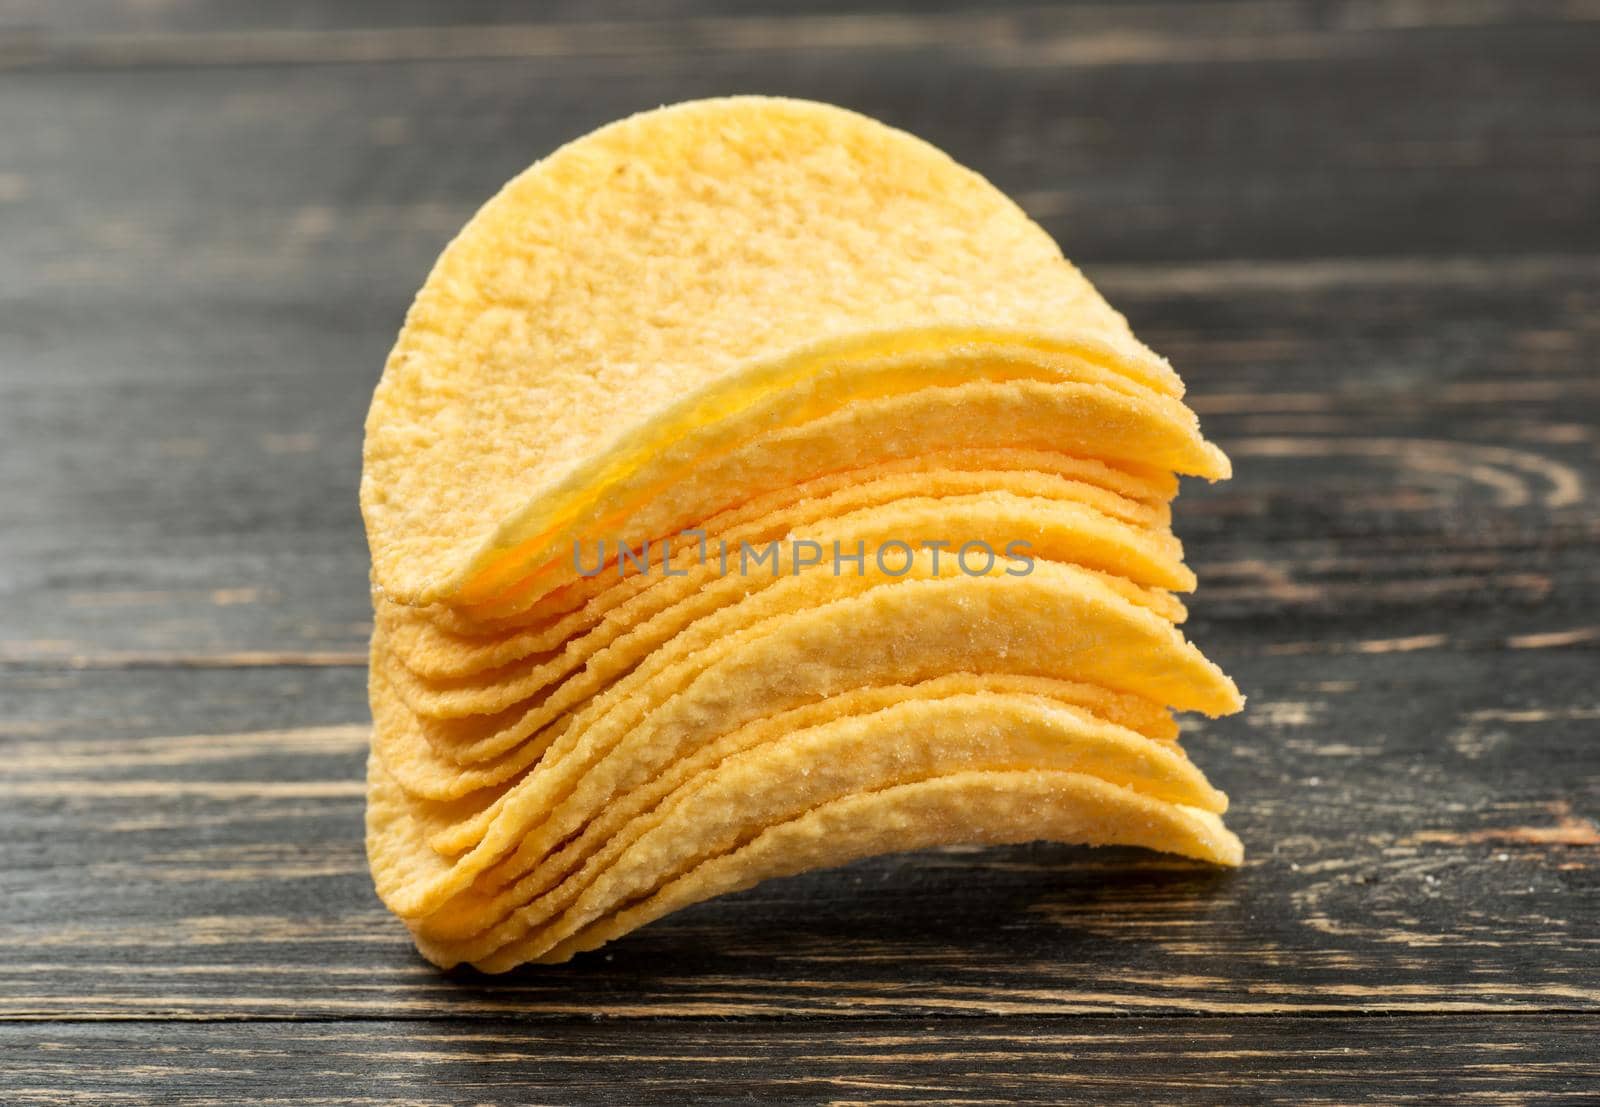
(977, 1061)
(1368, 234)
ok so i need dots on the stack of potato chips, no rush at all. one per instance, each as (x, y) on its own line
(752, 489)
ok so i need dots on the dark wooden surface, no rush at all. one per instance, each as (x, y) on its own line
(1369, 235)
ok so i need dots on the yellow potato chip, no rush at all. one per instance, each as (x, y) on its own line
(968, 808)
(994, 522)
(451, 826)
(428, 653)
(756, 451)
(1152, 488)
(436, 744)
(518, 879)
(1057, 621)
(430, 757)
(600, 307)
(447, 758)
(434, 647)
(666, 642)
(733, 801)
(1086, 420)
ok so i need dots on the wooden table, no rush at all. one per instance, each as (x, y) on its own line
(1369, 235)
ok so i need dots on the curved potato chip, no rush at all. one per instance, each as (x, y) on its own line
(708, 644)
(433, 648)
(447, 758)
(401, 733)
(944, 418)
(453, 826)
(693, 477)
(446, 743)
(423, 757)
(521, 878)
(1152, 488)
(1053, 530)
(1088, 420)
(831, 229)
(1056, 621)
(712, 804)
(969, 808)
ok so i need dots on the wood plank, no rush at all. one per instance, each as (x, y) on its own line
(1138, 1059)
(1419, 827)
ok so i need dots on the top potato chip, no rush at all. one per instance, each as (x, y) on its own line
(665, 272)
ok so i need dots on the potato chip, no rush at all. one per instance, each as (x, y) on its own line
(419, 750)
(434, 647)
(1150, 488)
(449, 759)
(758, 450)
(626, 270)
(1052, 530)
(504, 721)
(733, 801)
(412, 745)
(1087, 420)
(1057, 621)
(431, 653)
(966, 808)
(517, 879)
